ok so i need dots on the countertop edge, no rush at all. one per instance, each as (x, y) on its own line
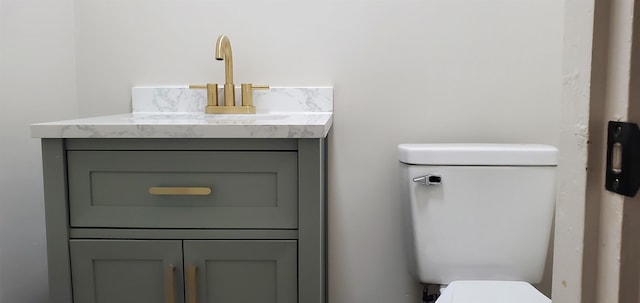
(83, 128)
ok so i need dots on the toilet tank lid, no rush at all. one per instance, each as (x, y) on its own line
(478, 154)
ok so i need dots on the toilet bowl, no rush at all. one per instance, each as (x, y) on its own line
(478, 218)
(491, 292)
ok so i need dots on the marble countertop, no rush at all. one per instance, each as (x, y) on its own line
(190, 125)
(177, 112)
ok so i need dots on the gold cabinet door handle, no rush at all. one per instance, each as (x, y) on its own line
(170, 286)
(180, 191)
(192, 291)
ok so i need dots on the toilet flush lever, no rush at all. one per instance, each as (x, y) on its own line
(429, 180)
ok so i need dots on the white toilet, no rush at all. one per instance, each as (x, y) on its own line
(479, 218)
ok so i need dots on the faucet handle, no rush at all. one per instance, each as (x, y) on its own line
(247, 92)
(212, 93)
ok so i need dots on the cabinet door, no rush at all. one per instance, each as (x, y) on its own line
(128, 271)
(241, 271)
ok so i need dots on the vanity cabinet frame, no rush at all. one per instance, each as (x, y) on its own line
(310, 234)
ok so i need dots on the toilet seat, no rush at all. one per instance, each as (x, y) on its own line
(491, 292)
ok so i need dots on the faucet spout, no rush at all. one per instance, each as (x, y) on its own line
(215, 106)
(223, 52)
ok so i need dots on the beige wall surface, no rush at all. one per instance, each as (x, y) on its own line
(37, 83)
(403, 71)
(619, 216)
(571, 234)
(596, 230)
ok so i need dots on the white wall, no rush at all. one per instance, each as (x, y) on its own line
(37, 83)
(403, 71)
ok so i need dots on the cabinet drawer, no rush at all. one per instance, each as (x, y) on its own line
(143, 189)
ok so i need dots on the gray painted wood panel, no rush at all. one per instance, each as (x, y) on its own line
(182, 144)
(194, 234)
(110, 271)
(312, 228)
(249, 189)
(244, 271)
(55, 205)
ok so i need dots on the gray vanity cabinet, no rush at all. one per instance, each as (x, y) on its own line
(121, 227)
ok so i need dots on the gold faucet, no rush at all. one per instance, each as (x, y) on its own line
(223, 52)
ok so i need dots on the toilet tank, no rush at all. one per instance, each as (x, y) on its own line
(490, 216)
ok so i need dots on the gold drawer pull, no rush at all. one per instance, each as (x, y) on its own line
(180, 191)
(192, 291)
(171, 284)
